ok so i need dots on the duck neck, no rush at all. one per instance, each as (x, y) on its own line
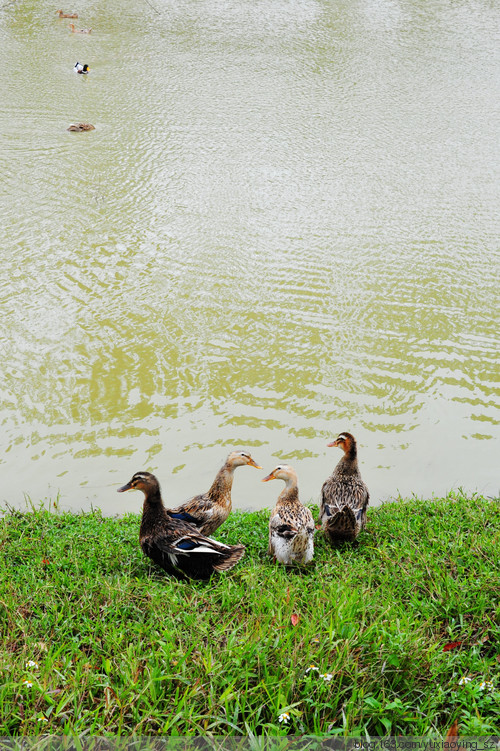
(290, 493)
(348, 465)
(220, 489)
(153, 502)
(152, 509)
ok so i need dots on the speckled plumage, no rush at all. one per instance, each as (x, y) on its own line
(344, 495)
(209, 510)
(176, 545)
(291, 526)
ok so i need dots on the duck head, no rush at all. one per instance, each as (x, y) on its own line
(240, 458)
(346, 442)
(282, 472)
(144, 481)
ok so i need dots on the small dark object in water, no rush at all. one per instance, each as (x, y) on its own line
(80, 127)
(74, 30)
(81, 68)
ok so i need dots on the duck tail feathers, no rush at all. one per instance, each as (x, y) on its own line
(342, 525)
(230, 558)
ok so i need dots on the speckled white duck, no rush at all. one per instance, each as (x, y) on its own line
(291, 526)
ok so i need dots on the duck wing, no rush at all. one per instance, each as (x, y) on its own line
(189, 553)
(343, 507)
(283, 526)
(197, 511)
(342, 525)
(287, 525)
(337, 493)
(161, 555)
(307, 520)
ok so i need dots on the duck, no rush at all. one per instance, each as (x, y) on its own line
(74, 30)
(344, 495)
(62, 14)
(175, 545)
(81, 68)
(209, 510)
(291, 526)
(80, 127)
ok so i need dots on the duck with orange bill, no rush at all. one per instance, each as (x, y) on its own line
(291, 526)
(344, 495)
(209, 510)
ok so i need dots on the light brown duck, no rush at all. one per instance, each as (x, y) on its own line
(209, 510)
(291, 526)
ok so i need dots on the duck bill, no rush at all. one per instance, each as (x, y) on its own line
(332, 444)
(269, 477)
(251, 463)
(128, 486)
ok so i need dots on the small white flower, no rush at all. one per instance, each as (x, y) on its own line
(315, 640)
(326, 676)
(486, 686)
(464, 680)
(42, 719)
(312, 667)
(284, 718)
(32, 664)
(28, 684)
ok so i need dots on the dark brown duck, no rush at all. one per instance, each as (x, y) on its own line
(344, 496)
(174, 544)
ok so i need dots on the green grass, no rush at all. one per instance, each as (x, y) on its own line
(121, 648)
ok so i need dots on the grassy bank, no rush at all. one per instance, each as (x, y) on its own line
(121, 648)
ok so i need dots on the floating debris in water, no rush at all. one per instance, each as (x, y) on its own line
(80, 127)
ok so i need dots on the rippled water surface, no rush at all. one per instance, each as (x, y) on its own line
(285, 225)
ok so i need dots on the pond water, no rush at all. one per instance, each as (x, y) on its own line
(285, 225)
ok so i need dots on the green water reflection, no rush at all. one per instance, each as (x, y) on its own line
(285, 225)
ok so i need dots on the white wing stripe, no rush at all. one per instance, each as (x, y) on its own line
(199, 549)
